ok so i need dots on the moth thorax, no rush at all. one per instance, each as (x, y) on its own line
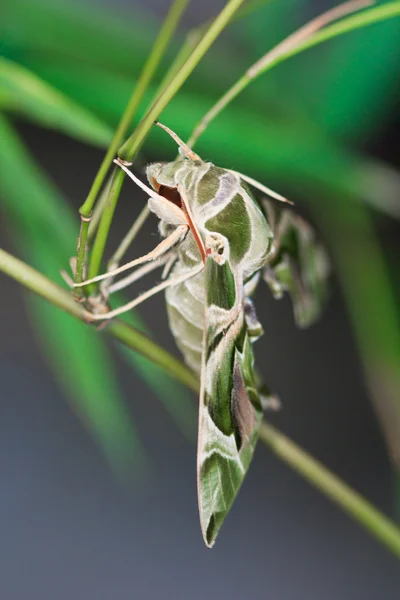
(217, 247)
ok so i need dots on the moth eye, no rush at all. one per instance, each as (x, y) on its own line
(221, 250)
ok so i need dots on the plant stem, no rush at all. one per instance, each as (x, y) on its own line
(128, 335)
(130, 147)
(98, 210)
(105, 223)
(81, 252)
(166, 32)
(360, 509)
(284, 51)
(381, 527)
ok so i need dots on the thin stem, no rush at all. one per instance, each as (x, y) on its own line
(128, 335)
(98, 210)
(377, 524)
(166, 32)
(81, 252)
(129, 149)
(295, 44)
(360, 509)
(105, 224)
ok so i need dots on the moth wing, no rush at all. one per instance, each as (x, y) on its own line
(230, 410)
(300, 266)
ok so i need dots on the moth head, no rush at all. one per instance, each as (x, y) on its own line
(161, 177)
(217, 247)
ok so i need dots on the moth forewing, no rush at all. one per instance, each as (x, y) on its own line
(229, 411)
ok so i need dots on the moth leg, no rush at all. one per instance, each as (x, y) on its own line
(158, 251)
(261, 187)
(129, 238)
(138, 274)
(151, 292)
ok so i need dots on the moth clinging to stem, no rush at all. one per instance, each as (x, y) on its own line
(217, 243)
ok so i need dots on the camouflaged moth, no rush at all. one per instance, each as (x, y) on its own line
(217, 243)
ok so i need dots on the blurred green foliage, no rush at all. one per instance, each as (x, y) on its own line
(72, 68)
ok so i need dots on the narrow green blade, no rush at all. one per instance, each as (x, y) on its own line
(76, 353)
(23, 92)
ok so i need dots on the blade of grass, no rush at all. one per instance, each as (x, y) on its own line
(374, 522)
(283, 149)
(274, 57)
(37, 211)
(372, 307)
(73, 30)
(21, 91)
(77, 356)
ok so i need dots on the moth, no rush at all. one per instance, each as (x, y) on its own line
(218, 243)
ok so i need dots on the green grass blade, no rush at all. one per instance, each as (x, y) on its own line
(77, 354)
(40, 220)
(280, 54)
(288, 150)
(75, 30)
(337, 82)
(23, 92)
(372, 306)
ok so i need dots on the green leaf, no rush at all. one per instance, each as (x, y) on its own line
(334, 83)
(74, 30)
(21, 91)
(375, 318)
(45, 232)
(37, 210)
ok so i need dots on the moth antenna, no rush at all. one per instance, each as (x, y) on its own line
(188, 151)
(261, 187)
(306, 31)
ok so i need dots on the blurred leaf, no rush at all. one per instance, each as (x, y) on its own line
(76, 352)
(328, 82)
(337, 83)
(371, 303)
(37, 216)
(277, 146)
(89, 34)
(23, 92)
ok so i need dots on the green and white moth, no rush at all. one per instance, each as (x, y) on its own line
(218, 242)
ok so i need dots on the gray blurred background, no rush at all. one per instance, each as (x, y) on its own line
(70, 530)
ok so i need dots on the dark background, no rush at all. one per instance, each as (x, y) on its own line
(70, 530)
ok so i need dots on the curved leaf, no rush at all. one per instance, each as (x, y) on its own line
(76, 353)
(22, 91)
